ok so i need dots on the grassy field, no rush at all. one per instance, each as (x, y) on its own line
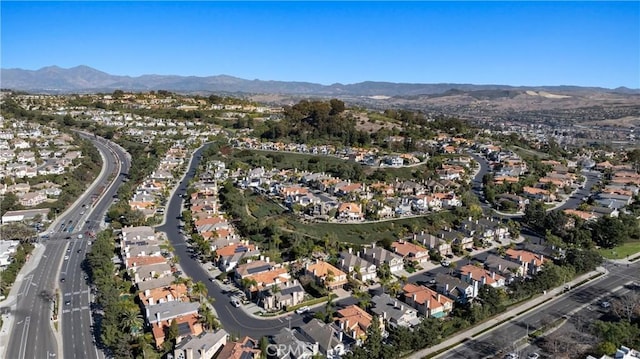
(628, 249)
(261, 207)
(357, 233)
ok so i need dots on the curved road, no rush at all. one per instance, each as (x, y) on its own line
(77, 321)
(235, 320)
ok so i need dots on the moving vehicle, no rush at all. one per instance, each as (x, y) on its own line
(235, 302)
(302, 310)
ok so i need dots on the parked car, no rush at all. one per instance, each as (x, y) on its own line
(605, 304)
(445, 263)
(533, 356)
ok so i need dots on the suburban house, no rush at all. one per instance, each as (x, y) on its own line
(531, 262)
(357, 266)
(287, 295)
(287, 344)
(505, 267)
(250, 268)
(350, 211)
(455, 288)
(379, 256)
(472, 274)
(203, 346)
(329, 342)
(427, 301)
(410, 252)
(163, 294)
(160, 316)
(538, 194)
(247, 348)
(394, 313)
(327, 275)
(354, 322)
(32, 199)
(433, 243)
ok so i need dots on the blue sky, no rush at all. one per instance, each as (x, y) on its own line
(513, 43)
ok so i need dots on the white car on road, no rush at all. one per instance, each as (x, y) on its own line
(302, 310)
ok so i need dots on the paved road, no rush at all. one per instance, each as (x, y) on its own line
(32, 333)
(34, 308)
(503, 337)
(573, 202)
(77, 322)
(235, 320)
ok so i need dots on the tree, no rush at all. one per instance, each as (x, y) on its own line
(608, 232)
(207, 318)
(131, 321)
(534, 215)
(199, 289)
(170, 336)
(373, 343)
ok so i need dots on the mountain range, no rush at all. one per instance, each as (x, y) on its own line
(84, 79)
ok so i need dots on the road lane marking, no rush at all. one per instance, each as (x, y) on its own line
(23, 338)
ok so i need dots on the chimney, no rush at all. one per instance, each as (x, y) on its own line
(350, 250)
(541, 259)
(415, 296)
(493, 275)
(262, 258)
(373, 245)
(395, 303)
(483, 279)
(342, 263)
(314, 272)
(341, 326)
(267, 259)
(158, 317)
(470, 219)
(151, 302)
(520, 258)
(384, 315)
(346, 324)
(340, 336)
(438, 298)
(147, 292)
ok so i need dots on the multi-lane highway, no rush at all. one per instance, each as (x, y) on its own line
(33, 332)
(502, 338)
(76, 321)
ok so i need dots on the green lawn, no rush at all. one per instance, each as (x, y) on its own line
(628, 249)
(357, 233)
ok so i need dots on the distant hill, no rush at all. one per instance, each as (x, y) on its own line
(84, 79)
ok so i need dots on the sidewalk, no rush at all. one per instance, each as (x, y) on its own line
(503, 318)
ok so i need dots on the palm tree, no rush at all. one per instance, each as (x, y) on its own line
(248, 284)
(131, 321)
(143, 343)
(207, 318)
(199, 289)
